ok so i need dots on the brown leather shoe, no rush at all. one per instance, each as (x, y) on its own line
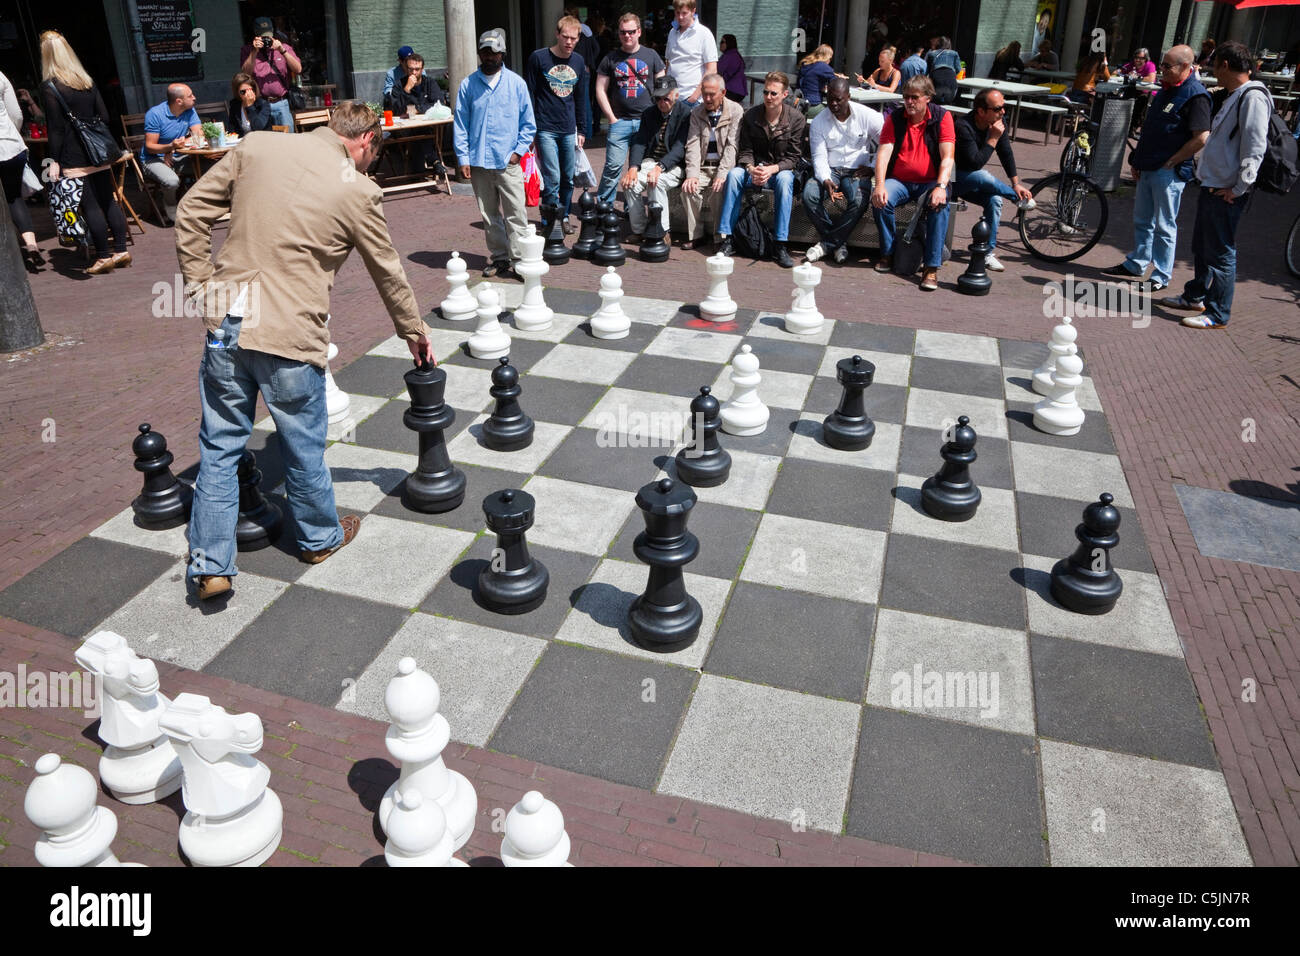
(929, 280)
(212, 585)
(100, 267)
(122, 260)
(351, 525)
(885, 264)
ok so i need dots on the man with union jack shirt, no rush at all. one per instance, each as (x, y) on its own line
(623, 84)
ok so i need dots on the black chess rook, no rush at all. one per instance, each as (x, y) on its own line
(436, 485)
(164, 501)
(609, 252)
(951, 495)
(555, 252)
(259, 521)
(704, 463)
(849, 428)
(665, 617)
(653, 247)
(1085, 582)
(975, 280)
(507, 428)
(589, 223)
(514, 582)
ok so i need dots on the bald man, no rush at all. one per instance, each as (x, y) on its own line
(167, 127)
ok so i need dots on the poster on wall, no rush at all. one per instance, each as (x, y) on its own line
(167, 28)
(1044, 26)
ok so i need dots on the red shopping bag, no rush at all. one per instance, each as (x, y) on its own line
(532, 179)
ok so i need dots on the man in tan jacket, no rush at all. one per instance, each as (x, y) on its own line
(298, 207)
(711, 144)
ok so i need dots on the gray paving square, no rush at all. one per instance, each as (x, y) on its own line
(575, 516)
(124, 529)
(892, 368)
(653, 417)
(786, 355)
(582, 363)
(558, 401)
(724, 533)
(920, 456)
(662, 373)
(948, 579)
(572, 301)
(873, 338)
(694, 345)
(808, 442)
(993, 526)
(1014, 353)
(524, 354)
(934, 409)
(816, 557)
(748, 485)
(562, 326)
(771, 325)
(589, 456)
(373, 375)
(964, 378)
(774, 439)
(638, 337)
(470, 447)
(1047, 526)
(363, 475)
(1069, 473)
(1093, 436)
(884, 403)
(479, 483)
(957, 347)
(640, 309)
(384, 429)
(783, 389)
(835, 494)
(1242, 528)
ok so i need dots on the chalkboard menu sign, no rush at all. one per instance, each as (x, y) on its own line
(168, 30)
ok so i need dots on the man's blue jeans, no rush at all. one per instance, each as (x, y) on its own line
(986, 191)
(556, 156)
(1214, 253)
(281, 115)
(229, 381)
(1155, 223)
(936, 220)
(836, 233)
(782, 185)
(616, 146)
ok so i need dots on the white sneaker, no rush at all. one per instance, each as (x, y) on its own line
(1027, 203)
(992, 264)
(814, 253)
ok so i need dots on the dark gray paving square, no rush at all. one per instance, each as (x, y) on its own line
(688, 317)
(638, 337)
(825, 653)
(873, 338)
(963, 378)
(384, 429)
(947, 788)
(1047, 527)
(1243, 528)
(1018, 354)
(581, 458)
(835, 494)
(82, 584)
(774, 439)
(556, 400)
(454, 594)
(373, 375)
(1116, 699)
(784, 356)
(724, 532)
(884, 403)
(479, 483)
(265, 447)
(524, 354)
(307, 642)
(946, 579)
(572, 301)
(1093, 436)
(666, 375)
(586, 711)
(920, 456)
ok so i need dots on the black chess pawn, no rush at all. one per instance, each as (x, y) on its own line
(975, 280)
(514, 582)
(555, 251)
(609, 252)
(436, 485)
(507, 428)
(950, 495)
(259, 521)
(653, 247)
(163, 501)
(589, 220)
(1085, 582)
(704, 463)
(849, 428)
(665, 617)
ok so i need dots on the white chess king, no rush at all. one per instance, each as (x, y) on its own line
(718, 306)
(610, 321)
(533, 314)
(1062, 343)
(489, 340)
(803, 317)
(744, 414)
(459, 306)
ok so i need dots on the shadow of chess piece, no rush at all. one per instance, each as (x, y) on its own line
(589, 220)
(665, 617)
(653, 247)
(704, 463)
(950, 495)
(555, 252)
(1085, 582)
(609, 252)
(259, 520)
(975, 280)
(514, 582)
(507, 428)
(849, 427)
(436, 485)
(163, 501)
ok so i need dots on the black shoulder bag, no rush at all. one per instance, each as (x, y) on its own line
(96, 141)
(294, 94)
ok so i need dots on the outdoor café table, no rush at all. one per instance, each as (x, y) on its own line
(435, 126)
(199, 153)
(1009, 90)
(1060, 76)
(874, 97)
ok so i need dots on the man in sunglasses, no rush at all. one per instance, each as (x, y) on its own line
(979, 133)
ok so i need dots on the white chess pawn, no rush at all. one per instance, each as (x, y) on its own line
(139, 763)
(417, 832)
(535, 834)
(1062, 343)
(337, 402)
(610, 321)
(459, 306)
(744, 414)
(61, 804)
(232, 818)
(533, 314)
(416, 740)
(803, 317)
(718, 306)
(489, 340)
(1061, 414)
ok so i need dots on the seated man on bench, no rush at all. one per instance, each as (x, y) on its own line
(844, 139)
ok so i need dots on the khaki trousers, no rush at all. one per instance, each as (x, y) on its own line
(695, 204)
(500, 195)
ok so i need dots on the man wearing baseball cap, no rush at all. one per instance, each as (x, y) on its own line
(393, 75)
(273, 65)
(489, 153)
(657, 159)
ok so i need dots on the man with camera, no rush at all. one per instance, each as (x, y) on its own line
(273, 65)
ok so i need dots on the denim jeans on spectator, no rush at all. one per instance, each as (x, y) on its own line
(1155, 223)
(230, 379)
(936, 223)
(986, 191)
(555, 154)
(1214, 253)
(616, 146)
(836, 233)
(281, 115)
(782, 185)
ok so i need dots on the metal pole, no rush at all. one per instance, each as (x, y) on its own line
(141, 56)
(462, 57)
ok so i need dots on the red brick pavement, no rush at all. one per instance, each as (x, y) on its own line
(1178, 402)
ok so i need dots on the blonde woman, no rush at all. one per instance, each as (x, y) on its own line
(814, 73)
(66, 79)
(885, 77)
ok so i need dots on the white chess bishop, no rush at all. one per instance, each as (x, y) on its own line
(744, 414)
(337, 402)
(1062, 343)
(803, 317)
(533, 314)
(459, 306)
(417, 832)
(139, 764)
(718, 306)
(610, 321)
(489, 340)
(416, 739)
(535, 834)
(232, 818)
(1061, 414)
(61, 803)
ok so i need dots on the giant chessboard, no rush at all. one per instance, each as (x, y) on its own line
(836, 681)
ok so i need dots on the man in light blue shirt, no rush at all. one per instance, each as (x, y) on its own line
(493, 126)
(914, 65)
(391, 77)
(167, 126)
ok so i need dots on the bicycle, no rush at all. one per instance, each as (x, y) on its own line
(1070, 212)
(1291, 251)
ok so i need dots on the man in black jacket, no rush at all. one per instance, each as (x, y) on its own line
(415, 89)
(657, 159)
(979, 133)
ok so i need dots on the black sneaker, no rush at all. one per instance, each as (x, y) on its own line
(782, 256)
(726, 249)
(1122, 271)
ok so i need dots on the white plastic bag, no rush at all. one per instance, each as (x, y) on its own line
(584, 177)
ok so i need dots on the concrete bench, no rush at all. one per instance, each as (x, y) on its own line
(1052, 113)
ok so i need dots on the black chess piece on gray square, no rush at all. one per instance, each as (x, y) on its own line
(951, 495)
(436, 485)
(1085, 582)
(514, 582)
(507, 428)
(849, 427)
(259, 521)
(665, 617)
(164, 501)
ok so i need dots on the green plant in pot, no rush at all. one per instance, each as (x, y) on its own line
(212, 133)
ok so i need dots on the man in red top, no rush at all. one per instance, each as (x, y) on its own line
(916, 156)
(273, 65)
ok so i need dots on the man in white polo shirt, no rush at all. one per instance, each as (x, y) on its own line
(844, 138)
(691, 51)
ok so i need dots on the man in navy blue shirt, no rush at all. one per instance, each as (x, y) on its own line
(914, 65)
(557, 80)
(168, 126)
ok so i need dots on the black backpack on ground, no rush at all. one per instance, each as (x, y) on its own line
(752, 237)
(1278, 170)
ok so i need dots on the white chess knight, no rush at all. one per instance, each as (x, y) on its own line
(417, 832)
(489, 340)
(610, 321)
(1062, 343)
(139, 763)
(416, 740)
(718, 306)
(744, 414)
(61, 803)
(459, 306)
(803, 317)
(535, 834)
(1061, 414)
(337, 403)
(232, 818)
(533, 314)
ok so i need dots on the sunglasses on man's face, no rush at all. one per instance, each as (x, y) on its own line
(774, 92)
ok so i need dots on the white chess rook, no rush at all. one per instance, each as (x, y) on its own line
(61, 803)
(610, 321)
(459, 306)
(416, 740)
(232, 818)
(744, 414)
(1062, 343)
(803, 317)
(489, 340)
(1061, 414)
(718, 306)
(535, 834)
(417, 832)
(139, 763)
(533, 314)
(337, 403)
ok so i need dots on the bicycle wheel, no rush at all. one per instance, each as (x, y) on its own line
(1292, 248)
(1068, 220)
(1074, 157)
